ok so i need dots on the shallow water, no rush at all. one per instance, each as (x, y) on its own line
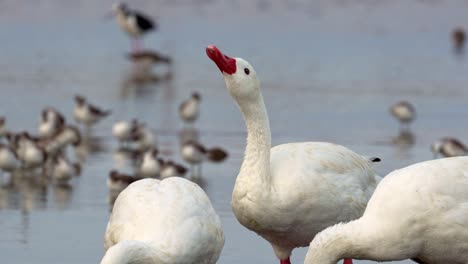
(329, 72)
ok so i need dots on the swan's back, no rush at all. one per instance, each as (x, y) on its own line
(427, 203)
(173, 215)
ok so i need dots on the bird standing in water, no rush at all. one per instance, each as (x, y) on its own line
(134, 23)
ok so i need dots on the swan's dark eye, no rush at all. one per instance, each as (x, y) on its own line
(247, 71)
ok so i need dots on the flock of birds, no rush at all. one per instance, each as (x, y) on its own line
(315, 194)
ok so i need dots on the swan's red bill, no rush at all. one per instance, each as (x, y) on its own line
(225, 63)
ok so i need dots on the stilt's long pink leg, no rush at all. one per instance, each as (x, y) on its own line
(285, 261)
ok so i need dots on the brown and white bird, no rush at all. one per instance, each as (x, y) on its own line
(449, 147)
(134, 23)
(63, 170)
(404, 112)
(8, 159)
(150, 166)
(118, 181)
(87, 113)
(50, 122)
(195, 153)
(189, 110)
(3, 129)
(172, 169)
(126, 131)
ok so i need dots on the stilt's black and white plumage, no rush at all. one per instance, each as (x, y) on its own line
(134, 23)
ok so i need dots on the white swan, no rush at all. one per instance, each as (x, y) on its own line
(418, 212)
(163, 222)
(290, 193)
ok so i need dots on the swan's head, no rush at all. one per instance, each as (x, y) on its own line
(130, 252)
(240, 77)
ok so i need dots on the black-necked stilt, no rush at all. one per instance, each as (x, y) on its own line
(172, 169)
(8, 159)
(125, 131)
(86, 113)
(150, 166)
(144, 138)
(50, 122)
(3, 129)
(31, 154)
(67, 135)
(63, 170)
(189, 109)
(194, 153)
(118, 181)
(134, 23)
(449, 147)
(404, 112)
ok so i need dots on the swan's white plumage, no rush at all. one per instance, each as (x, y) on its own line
(420, 211)
(173, 218)
(289, 193)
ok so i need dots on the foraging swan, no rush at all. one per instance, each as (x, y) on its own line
(289, 193)
(170, 221)
(418, 212)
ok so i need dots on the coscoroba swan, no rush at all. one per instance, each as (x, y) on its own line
(290, 193)
(418, 212)
(163, 222)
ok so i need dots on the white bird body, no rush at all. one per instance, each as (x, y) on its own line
(124, 131)
(170, 221)
(418, 212)
(50, 122)
(86, 113)
(8, 159)
(189, 110)
(150, 166)
(192, 154)
(63, 171)
(30, 154)
(145, 139)
(289, 193)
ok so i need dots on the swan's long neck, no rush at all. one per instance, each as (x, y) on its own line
(255, 169)
(129, 251)
(356, 240)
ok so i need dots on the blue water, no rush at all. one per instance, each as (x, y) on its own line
(329, 70)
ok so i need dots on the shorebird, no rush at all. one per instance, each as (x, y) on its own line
(87, 113)
(134, 23)
(150, 166)
(189, 109)
(172, 169)
(50, 122)
(63, 170)
(126, 132)
(449, 147)
(8, 159)
(404, 112)
(118, 181)
(195, 153)
(3, 129)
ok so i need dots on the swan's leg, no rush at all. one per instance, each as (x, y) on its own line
(348, 261)
(285, 261)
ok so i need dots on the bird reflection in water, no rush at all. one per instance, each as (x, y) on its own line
(62, 195)
(89, 145)
(141, 78)
(404, 141)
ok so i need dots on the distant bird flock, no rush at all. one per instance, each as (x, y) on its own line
(315, 194)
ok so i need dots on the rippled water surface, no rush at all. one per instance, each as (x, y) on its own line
(329, 71)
